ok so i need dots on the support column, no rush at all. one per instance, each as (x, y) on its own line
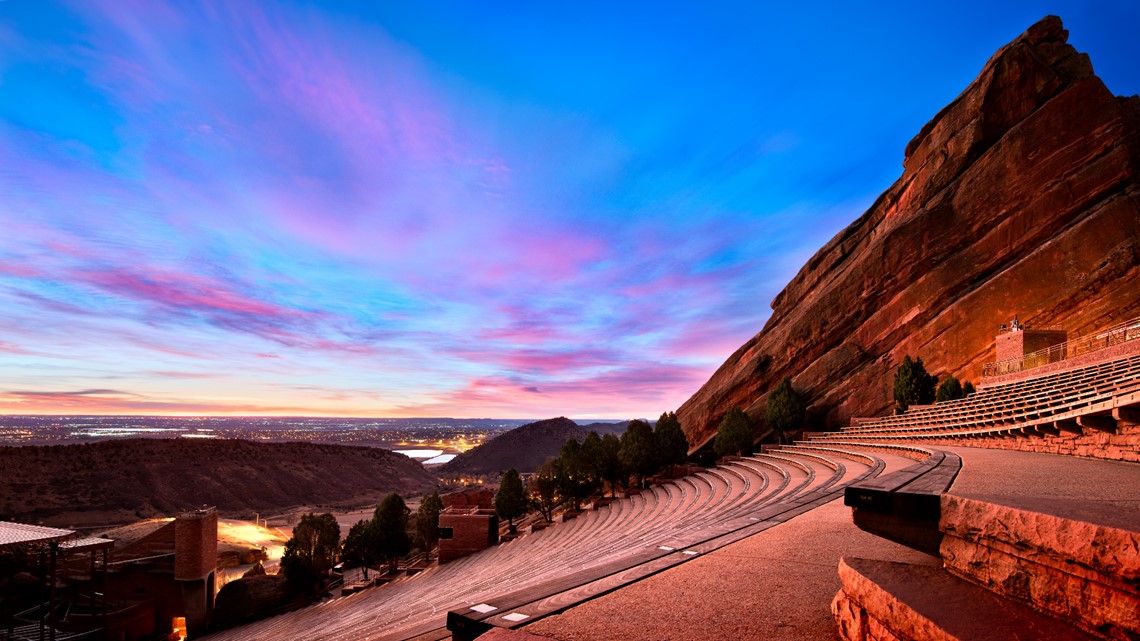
(54, 549)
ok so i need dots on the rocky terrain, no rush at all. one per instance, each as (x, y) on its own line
(124, 480)
(523, 448)
(1019, 197)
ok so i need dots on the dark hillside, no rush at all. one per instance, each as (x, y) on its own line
(523, 448)
(617, 429)
(116, 481)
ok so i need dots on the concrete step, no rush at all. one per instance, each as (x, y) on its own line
(1074, 559)
(888, 601)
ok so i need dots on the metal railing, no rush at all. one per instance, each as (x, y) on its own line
(1115, 335)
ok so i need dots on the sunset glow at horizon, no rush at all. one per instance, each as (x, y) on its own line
(370, 209)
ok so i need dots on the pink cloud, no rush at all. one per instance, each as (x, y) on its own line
(643, 389)
(181, 290)
(12, 348)
(112, 402)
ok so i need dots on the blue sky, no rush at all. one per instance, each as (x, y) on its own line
(450, 209)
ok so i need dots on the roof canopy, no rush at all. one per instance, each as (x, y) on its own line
(20, 533)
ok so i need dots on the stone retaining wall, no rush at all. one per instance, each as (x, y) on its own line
(1124, 445)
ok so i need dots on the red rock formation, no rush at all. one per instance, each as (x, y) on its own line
(1019, 197)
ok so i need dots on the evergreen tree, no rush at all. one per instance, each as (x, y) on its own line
(311, 551)
(669, 440)
(734, 434)
(610, 466)
(542, 488)
(510, 500)
(390, 530)
(592, 455)
(913, 385)
(358, 551)
(637, 450)
(950, 390)
(427, 521)
(575, 479)
(967, 389)
(785, 410)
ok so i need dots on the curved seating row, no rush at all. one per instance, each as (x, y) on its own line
(665, 524)
(1093, 397)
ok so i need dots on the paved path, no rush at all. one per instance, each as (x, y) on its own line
(1046, 476)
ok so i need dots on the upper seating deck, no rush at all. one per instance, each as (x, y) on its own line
(1096, 396)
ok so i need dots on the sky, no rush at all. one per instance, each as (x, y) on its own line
(444, 208)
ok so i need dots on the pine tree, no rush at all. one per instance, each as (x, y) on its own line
(610, 467)
(785, 410)
(358, 551)
(638, 454)
(913, 385)
(427, 521)
(510, 500)
(950, 390)
(592, 455)
(390, 530)
(542, 489)
(311, 551)
(669, 439)
(734, 434)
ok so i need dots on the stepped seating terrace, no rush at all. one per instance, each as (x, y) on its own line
(1015, 561)
(625, 540)
(1095, 397)
(670, 523)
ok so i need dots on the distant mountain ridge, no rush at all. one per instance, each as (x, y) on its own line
(524, 448)
(123, 480)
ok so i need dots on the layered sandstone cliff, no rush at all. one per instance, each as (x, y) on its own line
(1020, 197)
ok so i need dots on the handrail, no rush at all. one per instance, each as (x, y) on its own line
(1115, 335)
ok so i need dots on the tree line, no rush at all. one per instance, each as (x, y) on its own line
(784, 413)
(392, 532)
(593, 465)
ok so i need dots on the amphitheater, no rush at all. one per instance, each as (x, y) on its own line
(1011, 514)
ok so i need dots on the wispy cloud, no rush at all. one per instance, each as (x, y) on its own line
(229, 207)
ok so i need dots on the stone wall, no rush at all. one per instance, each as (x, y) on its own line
(1124, 445)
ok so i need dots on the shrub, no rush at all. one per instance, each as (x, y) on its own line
(950, 390)
(785, 410)
(734, 434)
(913, 385)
